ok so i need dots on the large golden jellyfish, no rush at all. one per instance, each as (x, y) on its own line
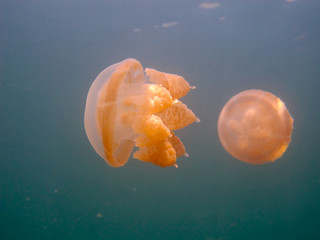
(255, 127)
(128, 108)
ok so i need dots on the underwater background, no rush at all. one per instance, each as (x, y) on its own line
(53, 185)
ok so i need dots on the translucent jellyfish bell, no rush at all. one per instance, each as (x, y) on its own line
(255, 127)
(126, 108)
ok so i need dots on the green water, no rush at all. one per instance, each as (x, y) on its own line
(54, 186)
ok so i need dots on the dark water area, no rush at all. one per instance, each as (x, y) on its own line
(53, 185)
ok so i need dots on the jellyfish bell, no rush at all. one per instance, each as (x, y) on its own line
(255, 127)
(126, 108)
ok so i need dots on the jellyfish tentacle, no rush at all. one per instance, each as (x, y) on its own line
(152, 99)
(175, 84)
(177, 116)
(177, 145)
(161, 154)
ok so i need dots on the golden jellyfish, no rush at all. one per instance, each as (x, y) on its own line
(127, 108)
(255, 127)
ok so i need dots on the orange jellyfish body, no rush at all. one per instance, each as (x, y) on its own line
(255, 127)
(126, 108)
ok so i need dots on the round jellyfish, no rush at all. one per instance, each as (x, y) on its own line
(127, 108)
(255, 127)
